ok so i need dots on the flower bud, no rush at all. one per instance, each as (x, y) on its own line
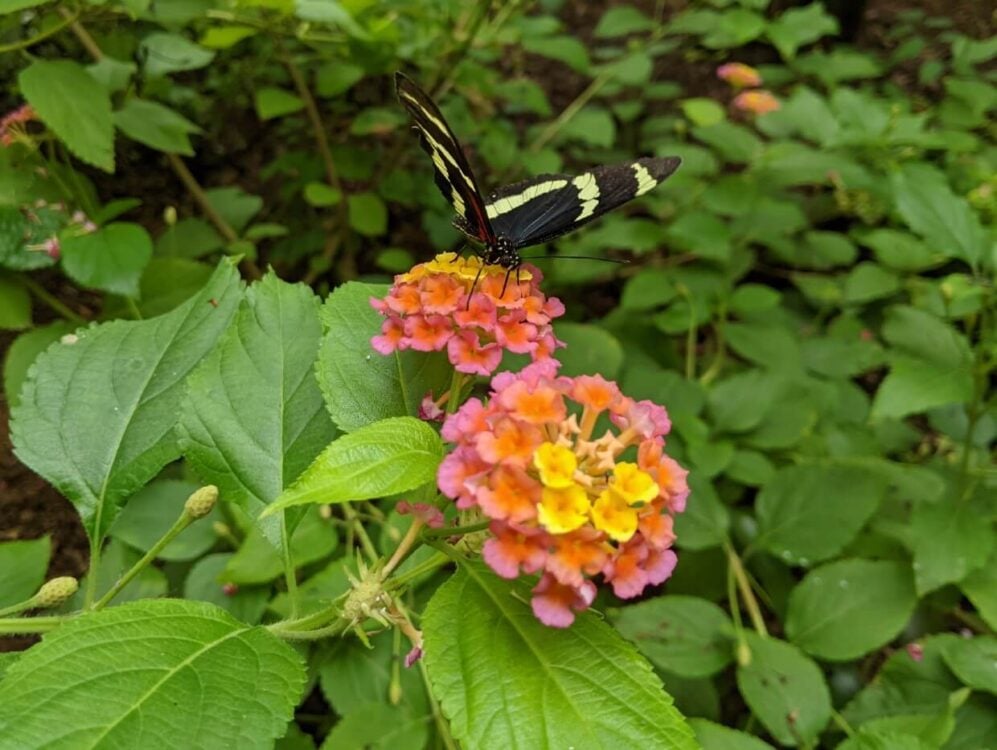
(170, 215)
(200, 503)
(55, 592)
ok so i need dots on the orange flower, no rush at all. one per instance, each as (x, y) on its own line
(739, 75)
(563, 501)
(757, 102)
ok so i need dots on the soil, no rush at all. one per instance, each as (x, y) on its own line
(31, 508)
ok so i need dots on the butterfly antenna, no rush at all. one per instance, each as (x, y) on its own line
(576, 257)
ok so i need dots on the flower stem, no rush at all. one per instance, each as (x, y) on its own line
(361, 532)
(179, 525)
(456, 386)
(26, 625)
(744, 586)
(448, 531)
(52, 301)
(404, 546)
(436, 561)
(68, 20)
(290, 575)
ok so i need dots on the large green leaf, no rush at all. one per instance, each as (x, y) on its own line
(23, 564)
(265, 360)
(685, 635)
(718, 737)
(384, 458)
(493, 665)
(74, 106)
(973, 660)
(361, 386)
(97, 417)
(23, 352)
(111, 259)
(845, 609)
(164, 673)
(808, 513)
(797, 27)
(929, 207)
(156, 126)
(785, 690)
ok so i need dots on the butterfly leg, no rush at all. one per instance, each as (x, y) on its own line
(505, 283)
(474, 285)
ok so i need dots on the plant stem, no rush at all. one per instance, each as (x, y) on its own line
(456, 386)
(744, 586)
(448, 531)
(842, 723)
(90, 592)
(49, 299)
(569, 112)
(26, 625)
(16, 609)
(361, 532)
(436, 561)
(404, 546)
(179, 525)
(335, 628)
(290, 576)
(70, 18)
(82, 34)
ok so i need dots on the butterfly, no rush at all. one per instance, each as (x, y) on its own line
(529, 212)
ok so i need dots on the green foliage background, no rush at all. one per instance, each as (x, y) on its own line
(811, 296)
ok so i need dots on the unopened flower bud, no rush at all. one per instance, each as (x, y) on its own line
(200, 503)
(170, 215)
(743, 654)
(55, 592)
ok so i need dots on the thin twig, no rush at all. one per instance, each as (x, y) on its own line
(70, 18)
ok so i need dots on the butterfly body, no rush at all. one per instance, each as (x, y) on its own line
(530, 212)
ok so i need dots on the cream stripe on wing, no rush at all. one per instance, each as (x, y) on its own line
(512, 202)
(588, 194)
(644, 180)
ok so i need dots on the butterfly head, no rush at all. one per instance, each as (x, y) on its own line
(503, 253)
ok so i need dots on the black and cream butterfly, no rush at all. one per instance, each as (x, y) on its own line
(530, 212)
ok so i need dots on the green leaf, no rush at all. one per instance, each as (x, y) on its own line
(848, 608)
(706, 520)
(147, 362)
(165, 284)
(253, 455)
(384, 458)
(330, 12)
(900, 250)
(235, 205)
(379, 726)
(797, 27)
(948, 539)
(621, 20)
(115, 560)
(973, 660)
(930, 208)
(361, 386)
(258, 561)
(681, 634)
(206, 583)
(22, 354)
(734, 28)
(809, 512)
(915, 385)
(111, 259)
(593, 126)
(702, 111)
(223, 37)
(74, 106)
(23, 564)
(590, 350)
(320, 194)
(164, 53)
(189, 238)
(784, 689)
(23, 238)
(335, 78)
(208, 682)
(491, 662)
(272, 103)
(150, 513)
(15, 304)
(156, 126)
(566, 49)
(368, 214)
(719, 737)
(867, 282)
(980, 587)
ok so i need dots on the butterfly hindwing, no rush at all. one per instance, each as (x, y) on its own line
(539, 209)
(453, 174)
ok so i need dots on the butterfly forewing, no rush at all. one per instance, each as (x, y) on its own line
(539, 209)
(453, 175)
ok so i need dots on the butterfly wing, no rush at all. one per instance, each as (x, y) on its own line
(453, 175)
(537, 210)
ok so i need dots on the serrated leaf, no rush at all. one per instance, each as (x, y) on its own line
(797, 27)
(273, 102)
(784, 689)
(156, 126)
(719, 737)
(384, 458)
(809, 512)
(491, 662)
(848, 608)
(68, 401)
(361, 386)
(980, 587)
(929, 207)
(684, 635)
(23, 352)
(253, 455)
(111, 258)
(74, 106)
(183, 674)
(621, 20)
(164, 53)
(23, 564)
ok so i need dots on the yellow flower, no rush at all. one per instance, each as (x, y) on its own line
(563, 510)
(632, 485)
(556, 465)
(612, 515)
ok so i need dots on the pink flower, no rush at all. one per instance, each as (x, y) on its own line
(563, 501)
(757, 101)
(739, 75)
(473, 311)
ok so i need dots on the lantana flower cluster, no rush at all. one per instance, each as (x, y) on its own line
(755, 100)
(564, 501)
(472, 310)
